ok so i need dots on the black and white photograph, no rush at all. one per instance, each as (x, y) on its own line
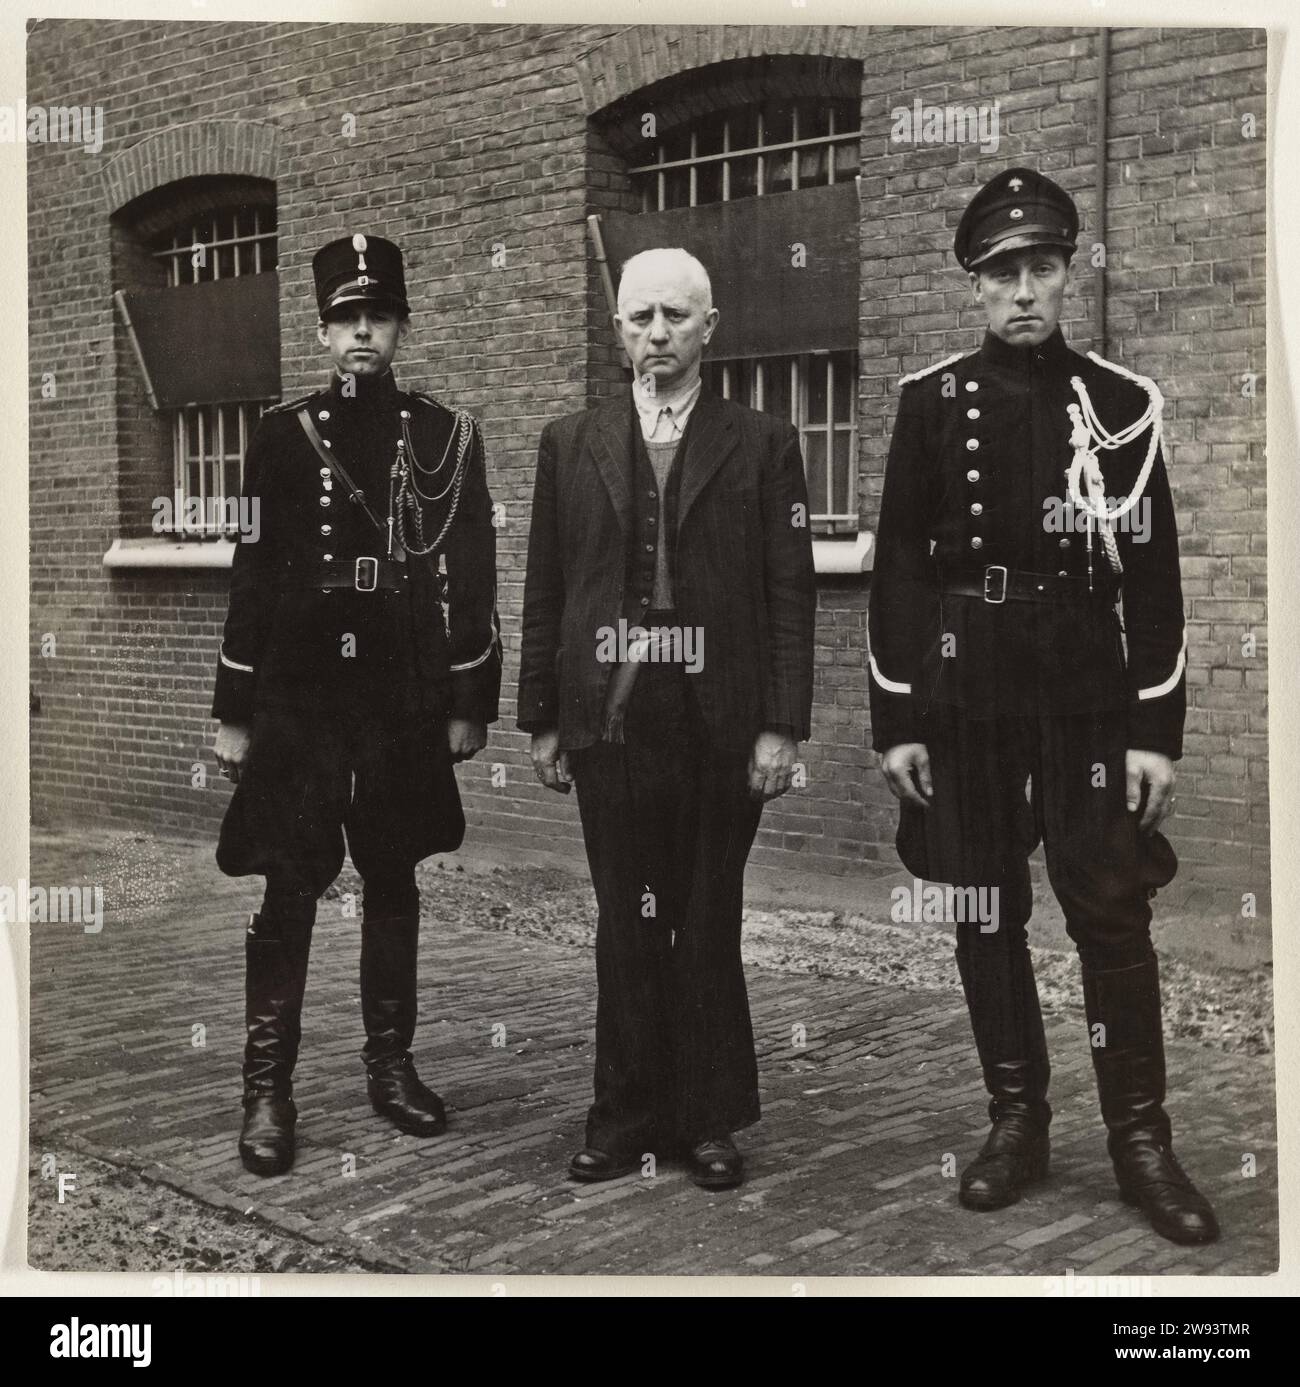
(648, 648)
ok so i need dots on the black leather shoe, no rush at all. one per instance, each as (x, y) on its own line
(590, 1165)
(1151, 1179)
(715, 1164)
(397, 1094)
(266, 1141)
(1014, 1155)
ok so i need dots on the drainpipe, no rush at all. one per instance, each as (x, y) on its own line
(1099, 192)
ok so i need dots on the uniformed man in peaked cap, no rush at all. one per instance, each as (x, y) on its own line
(361, 659)
(1025, 497)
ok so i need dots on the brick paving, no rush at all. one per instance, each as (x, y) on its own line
(847, 1171)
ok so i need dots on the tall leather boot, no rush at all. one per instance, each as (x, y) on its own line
(1002, 998)
(275, 976)
(1130, 1069)
(389, 947)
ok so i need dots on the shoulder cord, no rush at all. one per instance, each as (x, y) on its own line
(1088, 435)
(930, 370)
(407, 444)
(407, 495)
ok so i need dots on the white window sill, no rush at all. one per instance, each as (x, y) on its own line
(160, 552)
(851, 555)
(829, 555)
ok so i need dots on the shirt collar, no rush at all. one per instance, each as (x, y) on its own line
(650, 407)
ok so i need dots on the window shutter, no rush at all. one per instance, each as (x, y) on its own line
(208, 343)
(768, 306)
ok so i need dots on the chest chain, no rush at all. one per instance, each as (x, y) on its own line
(412, 486)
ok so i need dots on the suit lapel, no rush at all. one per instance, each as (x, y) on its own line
(609, 444)
(710, 440)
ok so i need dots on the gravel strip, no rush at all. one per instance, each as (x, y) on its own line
(1222, 1008)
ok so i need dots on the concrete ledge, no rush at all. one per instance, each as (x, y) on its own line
(169, 553)
(844, 555)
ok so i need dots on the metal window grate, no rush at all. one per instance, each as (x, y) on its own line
(817, 392)
(210, 441)
(751, 151)
(209, 444)
(240, 241)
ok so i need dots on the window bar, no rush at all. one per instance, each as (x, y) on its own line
(760, 379)
(726, 163)
(257, 251)
(219, 480)
(243, 443)
(202, 461)
(216, 254)
(794, 153)
(830, 148)
(662, 183)
(758, 174)
(178, 469)
(830, 436)
(695, 149)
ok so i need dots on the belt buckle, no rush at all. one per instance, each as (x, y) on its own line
(988, 574)
(371, 572)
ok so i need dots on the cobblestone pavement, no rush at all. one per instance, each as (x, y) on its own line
(871, 1103)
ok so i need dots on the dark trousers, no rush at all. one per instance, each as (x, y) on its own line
(668, 824)
(983, 824)
(313, 777)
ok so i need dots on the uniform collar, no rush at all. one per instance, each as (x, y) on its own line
(365, 393)
(1052, 352)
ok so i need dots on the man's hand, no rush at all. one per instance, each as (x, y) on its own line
(550, 764)
(231, 748)
(1157, 772)
(771, 764)
(906, 768)
(465, 738)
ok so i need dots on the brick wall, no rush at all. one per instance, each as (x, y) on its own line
(474, 137)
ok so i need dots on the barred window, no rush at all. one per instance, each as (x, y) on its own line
(817, 393)
(210, 439)
(777, 146)
(209, 443)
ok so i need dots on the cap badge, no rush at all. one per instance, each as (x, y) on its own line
(1016, 184)
(359, 245)
(1016, 213)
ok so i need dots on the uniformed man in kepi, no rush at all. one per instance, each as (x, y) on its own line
(1025, 497)
(361, 659)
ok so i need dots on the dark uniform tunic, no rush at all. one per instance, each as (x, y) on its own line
(1002, 691)
(348, 691)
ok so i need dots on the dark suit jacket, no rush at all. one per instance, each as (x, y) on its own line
(742, 571)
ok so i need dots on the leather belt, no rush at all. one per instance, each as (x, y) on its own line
(997, 584)
(365, 574)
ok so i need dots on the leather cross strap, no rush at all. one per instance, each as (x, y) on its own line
(337, 468)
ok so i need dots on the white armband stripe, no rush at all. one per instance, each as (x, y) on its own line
(889, 685)
(474, 664)
(1170, 684)
(232, 664)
